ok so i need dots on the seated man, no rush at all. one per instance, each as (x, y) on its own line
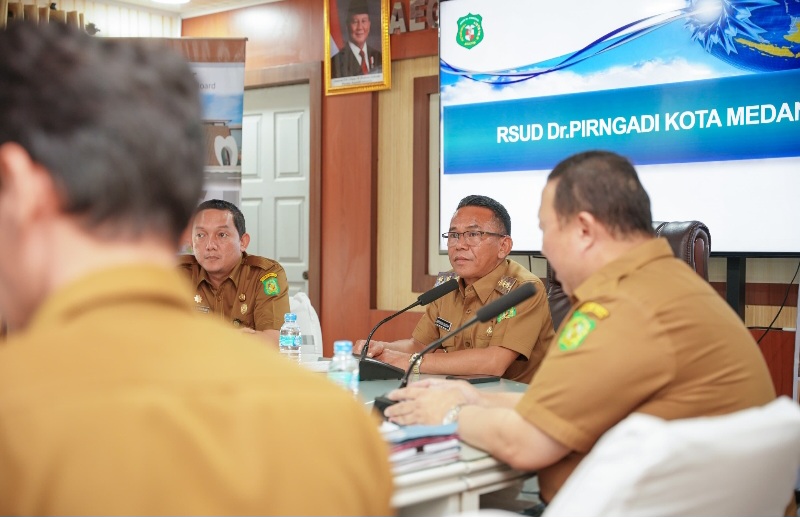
(513, 344)
(247, 291)
(645, 334)
(115, 398)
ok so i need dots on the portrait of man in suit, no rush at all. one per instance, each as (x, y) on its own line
(357, 57)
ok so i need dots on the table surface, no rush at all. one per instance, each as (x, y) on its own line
(453, 487)
(368, 390)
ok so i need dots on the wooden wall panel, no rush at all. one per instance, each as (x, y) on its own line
(777, 348)
(414, 44)
(423, 208)
(395, 183)
(400, 327)
(763, 315)
(421, 42)
(763, 300)
(770, 294)
(278, 33)
(347, 217)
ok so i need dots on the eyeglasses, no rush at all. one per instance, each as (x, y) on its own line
(471, 237)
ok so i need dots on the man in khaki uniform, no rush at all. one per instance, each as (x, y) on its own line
(645, 334)
(513, 344)
(115, 398)
(246, 291)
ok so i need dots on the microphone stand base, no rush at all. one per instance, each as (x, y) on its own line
(382, 403)
(373, 370)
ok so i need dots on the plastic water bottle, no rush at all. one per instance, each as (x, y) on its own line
(290, 338)
(343, 369)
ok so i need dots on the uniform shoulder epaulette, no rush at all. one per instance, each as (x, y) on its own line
(186, 260)
(262, 262)
(505, 284)
(444, 276)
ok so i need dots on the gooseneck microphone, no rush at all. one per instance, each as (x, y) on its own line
(483, 314)
(371, 369)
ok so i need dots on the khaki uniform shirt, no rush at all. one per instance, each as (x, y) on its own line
(646, 334)
(119, 399)
(526, 328)
(255, 294)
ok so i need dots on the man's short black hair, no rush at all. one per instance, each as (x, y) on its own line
(605, 185)
(116, 123)
(219, 204)
(500, 212)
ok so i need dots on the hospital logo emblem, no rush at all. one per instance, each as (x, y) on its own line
(470, 30)
(578, 327)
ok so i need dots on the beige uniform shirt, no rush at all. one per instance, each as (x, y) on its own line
(120, 400)
(646, 334)
(526, 328)
(255, 294)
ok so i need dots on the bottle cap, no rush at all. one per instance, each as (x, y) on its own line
(343, 346)
(290, 316)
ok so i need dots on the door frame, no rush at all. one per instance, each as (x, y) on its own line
(311, 74)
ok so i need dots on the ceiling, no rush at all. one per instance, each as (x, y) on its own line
(197, 7)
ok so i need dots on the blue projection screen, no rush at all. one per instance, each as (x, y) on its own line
(703, 96)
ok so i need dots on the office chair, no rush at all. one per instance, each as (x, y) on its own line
(310, 328)
(690, 242)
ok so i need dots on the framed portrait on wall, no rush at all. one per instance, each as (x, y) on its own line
(357, 54)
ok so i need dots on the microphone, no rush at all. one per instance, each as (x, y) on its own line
(483, 314)
(371, 369)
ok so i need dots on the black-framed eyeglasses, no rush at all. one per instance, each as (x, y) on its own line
(471, 237)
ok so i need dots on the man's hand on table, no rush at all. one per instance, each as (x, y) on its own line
(376, 348)
(428, 401)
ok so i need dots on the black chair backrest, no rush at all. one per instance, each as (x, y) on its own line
(690, 241)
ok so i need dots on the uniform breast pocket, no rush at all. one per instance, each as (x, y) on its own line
(483, 335)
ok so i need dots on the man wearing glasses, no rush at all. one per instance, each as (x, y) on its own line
(513, 344)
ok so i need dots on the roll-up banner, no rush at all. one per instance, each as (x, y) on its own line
(218, 64)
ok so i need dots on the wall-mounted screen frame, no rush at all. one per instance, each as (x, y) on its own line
(702, 96)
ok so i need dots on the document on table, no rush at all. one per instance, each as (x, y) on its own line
(417, 447)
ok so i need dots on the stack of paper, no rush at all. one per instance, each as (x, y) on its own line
(418, 447)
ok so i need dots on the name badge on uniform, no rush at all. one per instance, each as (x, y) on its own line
(443, 324)
(445, 276)
(202, 309)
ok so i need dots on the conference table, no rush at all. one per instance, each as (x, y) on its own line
(455, 487)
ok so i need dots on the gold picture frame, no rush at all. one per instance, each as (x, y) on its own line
(350, 34)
